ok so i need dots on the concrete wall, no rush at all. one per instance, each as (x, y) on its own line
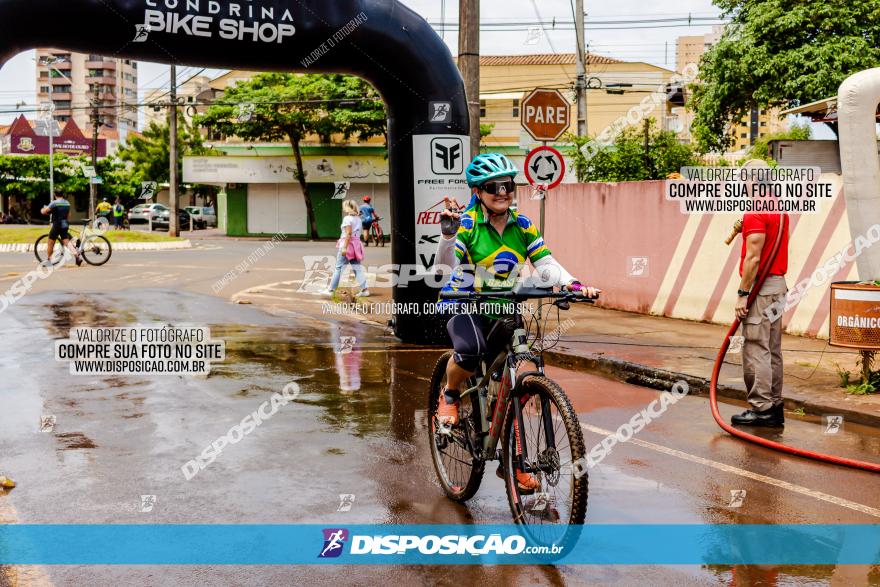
(596, 230)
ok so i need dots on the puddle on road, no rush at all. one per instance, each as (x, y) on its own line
(358, 428)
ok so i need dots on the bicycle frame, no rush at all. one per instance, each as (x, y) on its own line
(490, 430)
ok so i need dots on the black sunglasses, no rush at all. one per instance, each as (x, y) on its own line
(492, 187)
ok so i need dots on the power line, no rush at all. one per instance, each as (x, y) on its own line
(218, 103)
(180, 85)
(549, 40)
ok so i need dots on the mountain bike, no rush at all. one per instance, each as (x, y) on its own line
(524, 410)
(94, 248)
(375, 234)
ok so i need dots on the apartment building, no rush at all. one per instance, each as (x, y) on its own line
(75, 80)
(753, 125)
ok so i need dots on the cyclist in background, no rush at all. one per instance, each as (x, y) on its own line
(118, 215)
(58, 211)
(487, 245)
(103, 209)
(368, 216)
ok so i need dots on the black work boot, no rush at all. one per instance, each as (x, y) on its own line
(779, 410)
(771, 418)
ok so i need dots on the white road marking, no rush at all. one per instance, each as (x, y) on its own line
(839, 501)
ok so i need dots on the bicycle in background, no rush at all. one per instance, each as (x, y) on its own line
(94, 247)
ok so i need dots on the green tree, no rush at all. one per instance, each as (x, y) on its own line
(27, 176)
(627, 160)
(777, 51)
(289, 107)
(149, 156)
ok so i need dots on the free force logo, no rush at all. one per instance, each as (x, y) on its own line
(438, 172)
(334, 540)
(447, 156)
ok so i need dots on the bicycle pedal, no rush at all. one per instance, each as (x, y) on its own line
(444, 429)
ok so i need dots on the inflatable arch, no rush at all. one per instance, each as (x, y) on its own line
(381, 41)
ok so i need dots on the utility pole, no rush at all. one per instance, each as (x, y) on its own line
(96, 123)
(581, 83)
(173, 228)
(51, 139)
(469, 63)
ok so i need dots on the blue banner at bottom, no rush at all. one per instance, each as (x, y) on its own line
(661, 544)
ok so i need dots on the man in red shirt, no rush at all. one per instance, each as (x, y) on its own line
(762, 349)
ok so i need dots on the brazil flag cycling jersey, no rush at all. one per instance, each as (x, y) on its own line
(489, 261)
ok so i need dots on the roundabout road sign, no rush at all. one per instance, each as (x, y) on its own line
(545, 165)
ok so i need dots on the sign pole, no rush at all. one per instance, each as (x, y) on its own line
(543, 203)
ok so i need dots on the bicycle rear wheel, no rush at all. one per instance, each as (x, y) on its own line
(96, 250)
(458, 471)
(553, 441)
(41, 250)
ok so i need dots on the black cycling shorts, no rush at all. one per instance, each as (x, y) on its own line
(474, 336)
(59, 231)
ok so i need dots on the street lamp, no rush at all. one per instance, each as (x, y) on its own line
(49, 62)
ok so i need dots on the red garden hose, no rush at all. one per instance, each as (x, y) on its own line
(716, 370)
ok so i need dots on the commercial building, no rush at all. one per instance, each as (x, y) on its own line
(76, 80)
(23, 137)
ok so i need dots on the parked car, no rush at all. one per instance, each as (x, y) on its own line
(142, 212)
(206, 213)
(162, 220)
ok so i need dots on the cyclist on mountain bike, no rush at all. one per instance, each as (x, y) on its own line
(491, 243)
(58, 211)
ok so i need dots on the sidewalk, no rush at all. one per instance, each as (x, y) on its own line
(656, 352)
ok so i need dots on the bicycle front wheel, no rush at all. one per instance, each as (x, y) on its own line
(458, 470)
(41, 250)
(551, 435)
(96, 250)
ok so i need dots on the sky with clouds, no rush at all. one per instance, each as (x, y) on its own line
(650, 43)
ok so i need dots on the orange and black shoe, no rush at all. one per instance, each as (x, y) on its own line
(526, 483)
(447, 412)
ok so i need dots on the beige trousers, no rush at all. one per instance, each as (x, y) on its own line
(762, 349)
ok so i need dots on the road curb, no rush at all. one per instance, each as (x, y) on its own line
(663, 379)
(159, 246)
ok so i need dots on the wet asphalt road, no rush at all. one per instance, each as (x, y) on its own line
(358, 428)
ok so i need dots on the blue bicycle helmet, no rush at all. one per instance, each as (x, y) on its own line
(489, 166)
